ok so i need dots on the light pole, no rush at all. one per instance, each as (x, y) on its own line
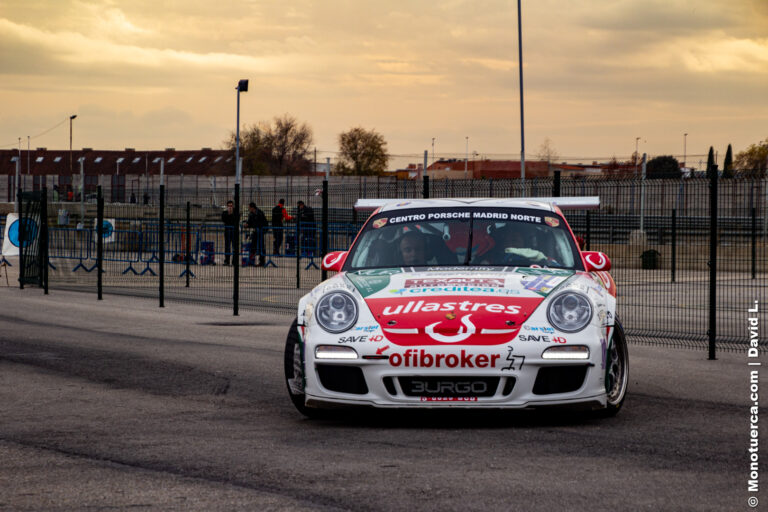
(466, 157)
(72, 117)
(685, 152)
(242, 86)
(637, 140)
(433, 150)
(522, 118)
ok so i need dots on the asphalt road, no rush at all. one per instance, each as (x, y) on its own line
(122, 405)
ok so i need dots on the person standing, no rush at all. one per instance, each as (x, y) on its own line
(306, 222)
(229, 219)
(278, 216)
(257, 221)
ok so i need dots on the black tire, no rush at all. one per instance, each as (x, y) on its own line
(616, 372)
(294, 368)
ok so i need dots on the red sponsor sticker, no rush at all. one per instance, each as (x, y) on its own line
(449, 399)
(450, 319)
(378, 223)
(552, 221)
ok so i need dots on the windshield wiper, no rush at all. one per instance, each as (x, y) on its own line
(469, 247)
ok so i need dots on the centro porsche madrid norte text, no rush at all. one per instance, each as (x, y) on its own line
(461, 303)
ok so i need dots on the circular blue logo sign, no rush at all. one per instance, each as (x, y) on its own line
(27, 235)
(106, 229)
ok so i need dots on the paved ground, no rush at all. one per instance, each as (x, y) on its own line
(120, 404)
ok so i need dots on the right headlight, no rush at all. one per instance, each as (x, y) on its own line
(336, 312)
(569, 312)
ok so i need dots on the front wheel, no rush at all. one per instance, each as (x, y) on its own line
(294, 368)
(616, 372)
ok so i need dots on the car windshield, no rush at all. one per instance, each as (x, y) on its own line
(442, 237)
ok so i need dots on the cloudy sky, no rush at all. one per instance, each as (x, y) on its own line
(152, 74)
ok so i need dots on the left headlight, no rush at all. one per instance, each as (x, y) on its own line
(336, 312)
(569, 312)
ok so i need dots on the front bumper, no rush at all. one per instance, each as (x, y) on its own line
(518, 382)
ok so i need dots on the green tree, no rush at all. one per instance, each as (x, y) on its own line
(711, 165)
(728, 163)
(663, 167)
(278, 147)
(362, 152)
(753, 160)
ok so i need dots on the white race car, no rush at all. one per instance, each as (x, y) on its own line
(476, 303)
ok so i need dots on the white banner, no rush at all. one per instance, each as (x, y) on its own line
(12, 232)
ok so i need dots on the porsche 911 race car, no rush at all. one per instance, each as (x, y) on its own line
(476, 303)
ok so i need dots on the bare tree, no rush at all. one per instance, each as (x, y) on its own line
(278, 147)
(287, 142)
(547, 151)
(362, 152)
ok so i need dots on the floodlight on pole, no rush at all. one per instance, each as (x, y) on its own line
(466, 157)
(685, 152)
(522, 117)
(71, 118)
(637, 140)
(433, 150)
(242, 86)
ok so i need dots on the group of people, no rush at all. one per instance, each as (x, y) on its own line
(257, 222)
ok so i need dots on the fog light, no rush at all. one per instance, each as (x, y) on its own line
(565, 352)
(334, 352)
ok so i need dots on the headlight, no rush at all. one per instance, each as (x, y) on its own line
(569, 312)
(336, 312)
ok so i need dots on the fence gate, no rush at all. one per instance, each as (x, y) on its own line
(33, 238)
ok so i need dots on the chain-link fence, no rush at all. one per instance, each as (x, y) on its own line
(658, 234)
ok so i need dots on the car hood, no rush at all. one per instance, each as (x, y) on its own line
(454, 305)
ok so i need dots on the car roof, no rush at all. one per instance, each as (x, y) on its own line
(466, 202)
(549, 204)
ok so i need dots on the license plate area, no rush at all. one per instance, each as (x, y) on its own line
(449, 387)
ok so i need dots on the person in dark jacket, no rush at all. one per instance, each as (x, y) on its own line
(278, 216)
(257, 221)
(229, 219)
(306, 221)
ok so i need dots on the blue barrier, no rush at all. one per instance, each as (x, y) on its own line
(70, 243)
(177, 243)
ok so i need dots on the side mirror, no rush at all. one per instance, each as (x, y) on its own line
(334, 260)
(596, 261)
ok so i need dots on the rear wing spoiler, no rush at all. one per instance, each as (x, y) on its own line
(564, 203)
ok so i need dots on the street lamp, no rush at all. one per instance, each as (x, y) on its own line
(685, 152)
(466, 157)
(433, 150)
(637, 139)
(242, 86)
(73, 116)
(522, 118)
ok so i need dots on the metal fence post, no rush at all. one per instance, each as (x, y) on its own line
(161, 237)
(99, 241)
(588, 241)
(236, 256)
(21, 245)
(426, 187)
(754, 242)
(324, 234)
(556, 185)
(44, 239)
(673, 264)
(188, 241)
(297, 245)
(712, 330)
